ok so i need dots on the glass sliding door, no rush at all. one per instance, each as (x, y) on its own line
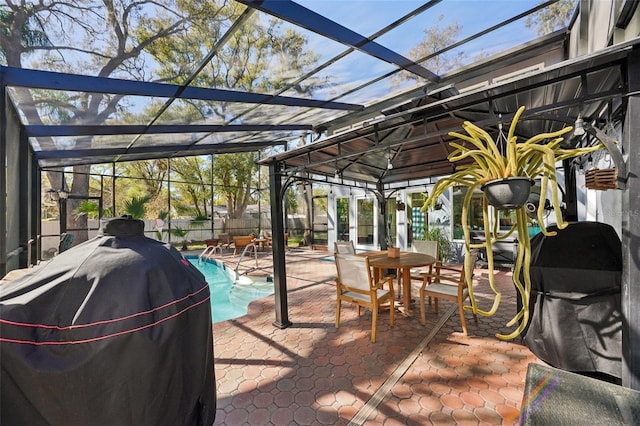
(416, 217)
(365, 222)
(342, 219)
(392, 229)
(474, 218)
(320, 218)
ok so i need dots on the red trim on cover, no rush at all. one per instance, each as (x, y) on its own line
(108, 336)
(71, 327)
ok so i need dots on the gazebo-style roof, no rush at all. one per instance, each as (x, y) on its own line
(413, 135)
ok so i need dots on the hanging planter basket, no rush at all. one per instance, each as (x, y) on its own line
(601, 179)
(508, 193)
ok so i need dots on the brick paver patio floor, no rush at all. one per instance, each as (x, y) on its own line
(314, 374)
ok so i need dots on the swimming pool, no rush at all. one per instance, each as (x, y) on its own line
(230, 300)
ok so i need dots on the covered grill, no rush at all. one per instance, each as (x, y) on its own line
(114, 331)
(576, 316)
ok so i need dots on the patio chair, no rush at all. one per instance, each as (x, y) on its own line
(267, 236)
(224, 241)
(344, 247)
(240, 242)
(448, 282)
(425, 247)
(355, 284)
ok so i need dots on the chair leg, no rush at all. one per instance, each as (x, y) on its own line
(435, 304)
(374, 325)
(392, 314)
(423, 309)
(338, 308)
(462, 320)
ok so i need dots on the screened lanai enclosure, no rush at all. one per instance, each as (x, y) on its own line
(350, 103)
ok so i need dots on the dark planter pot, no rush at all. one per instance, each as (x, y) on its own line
(508, 193)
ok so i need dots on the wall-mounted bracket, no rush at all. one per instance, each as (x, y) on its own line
(616, 155)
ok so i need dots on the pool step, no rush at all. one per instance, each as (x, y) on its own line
(244, 293)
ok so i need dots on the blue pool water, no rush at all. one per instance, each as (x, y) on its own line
(230, 300)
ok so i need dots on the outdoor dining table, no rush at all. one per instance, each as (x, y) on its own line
(380, 260)
(261, 242)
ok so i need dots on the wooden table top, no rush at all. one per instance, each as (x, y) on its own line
(407, 259)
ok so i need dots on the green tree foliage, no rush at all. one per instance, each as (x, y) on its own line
(151, 40)
(152, 174)
(552, 18)
(180, 233)
(436, 38)
(260, 57)
(191, 197)
(136, 207)
(91, 209)
(320, 200)
(233, 177)
(446, 249)
(21, 34)
(291, 199)
(89, 37)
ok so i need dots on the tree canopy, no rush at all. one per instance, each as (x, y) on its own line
(436, 38)
(151, 40)
(554, 17)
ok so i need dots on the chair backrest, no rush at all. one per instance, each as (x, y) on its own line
(344, 247)
(223, 238)
(242, 241)
(425, 247)
(456, 273)
(354, 271)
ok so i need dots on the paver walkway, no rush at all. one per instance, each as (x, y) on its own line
(314, 374)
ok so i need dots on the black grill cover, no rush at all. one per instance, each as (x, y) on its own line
(576, 315)
(115, 331)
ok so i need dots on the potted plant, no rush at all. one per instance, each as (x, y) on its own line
(446, 251)
(533, 158)
(181, 233)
